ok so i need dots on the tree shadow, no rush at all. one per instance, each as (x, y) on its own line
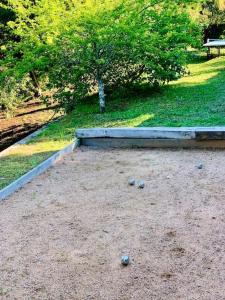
(15, 133)
(36, 111)
(193, 104)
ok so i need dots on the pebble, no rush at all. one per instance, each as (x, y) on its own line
(200, 166)
(131, 182)
(125, 260)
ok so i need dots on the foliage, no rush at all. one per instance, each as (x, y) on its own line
(13, 93)
(6, 15)
(214, 11)
(94, 46)
(210, 15)
(211, 12)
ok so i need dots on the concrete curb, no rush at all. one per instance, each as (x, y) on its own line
(20, 182)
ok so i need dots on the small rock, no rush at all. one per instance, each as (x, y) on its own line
(200, 166)
(141, 184)
(131, 182)
(125, 260)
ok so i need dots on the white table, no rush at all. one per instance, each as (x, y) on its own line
(214, 43)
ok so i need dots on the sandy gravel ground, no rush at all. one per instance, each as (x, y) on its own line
(61, 237)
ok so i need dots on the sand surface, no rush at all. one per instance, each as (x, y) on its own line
(62, 235)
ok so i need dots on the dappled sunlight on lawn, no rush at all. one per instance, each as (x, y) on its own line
(196, 79)
(35, 148)
(135, 122)
(205, 71)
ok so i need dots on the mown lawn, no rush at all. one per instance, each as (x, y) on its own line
(197, 99)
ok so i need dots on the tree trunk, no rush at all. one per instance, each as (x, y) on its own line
(36, 85)
(101, 94)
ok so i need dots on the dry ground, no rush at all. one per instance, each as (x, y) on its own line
(61, 237)
(29, 117)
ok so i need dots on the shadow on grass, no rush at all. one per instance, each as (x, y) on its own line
(192, 104)
(194, 100)
(35, 111)
(15, 133)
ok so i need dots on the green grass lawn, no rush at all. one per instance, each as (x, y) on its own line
(195, 100)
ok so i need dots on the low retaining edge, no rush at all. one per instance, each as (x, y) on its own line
(153, 137)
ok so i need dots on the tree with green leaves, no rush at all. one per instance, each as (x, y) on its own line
(214, 11)
(210, 14)
(83, 47)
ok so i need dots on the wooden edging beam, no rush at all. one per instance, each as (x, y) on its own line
(154, 132)
(20, 182)
(144, 133)
(153, 137)
(151, 143)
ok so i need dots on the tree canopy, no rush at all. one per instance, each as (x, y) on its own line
(78, 48)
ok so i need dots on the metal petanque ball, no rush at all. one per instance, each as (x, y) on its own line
(200, 166)
(141, 184)
(131, 182)
(125, 260)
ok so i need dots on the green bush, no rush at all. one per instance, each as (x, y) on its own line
(13, 93)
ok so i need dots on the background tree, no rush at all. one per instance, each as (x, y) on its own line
(212, 16)
(6, 34)
(13, 91)
(80, 48)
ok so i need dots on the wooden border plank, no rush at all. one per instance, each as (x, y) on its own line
(210, 135)
(152, 143)
(199, 133)
(142, 133)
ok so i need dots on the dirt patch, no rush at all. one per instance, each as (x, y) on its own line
(28, 118)
(62, 236)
